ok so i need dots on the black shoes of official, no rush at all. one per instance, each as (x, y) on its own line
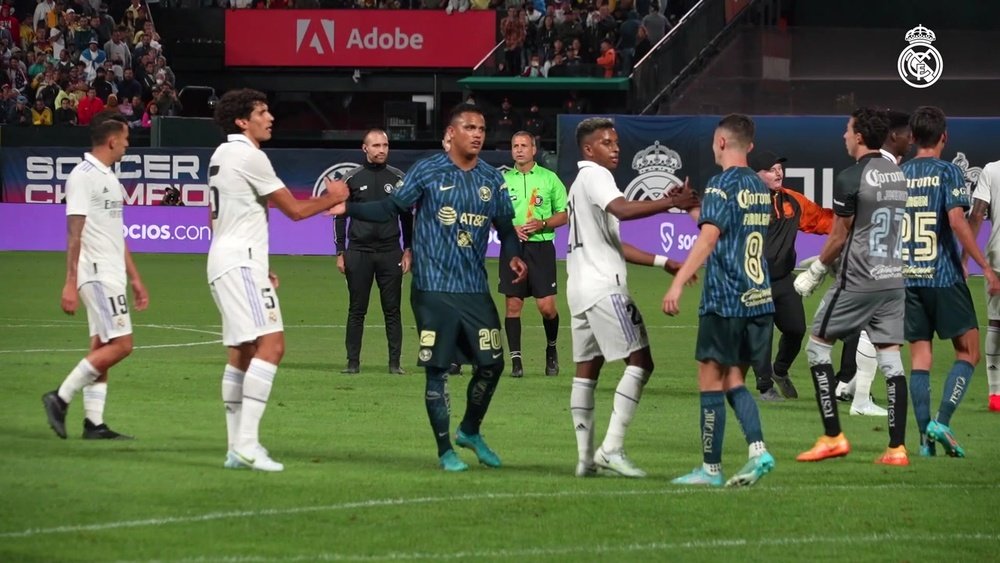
(353, 368)
(101, 431)
(455, 369)
(551, 361)
(516, 368)
(55, 409)
(394, 369)
(786, 386)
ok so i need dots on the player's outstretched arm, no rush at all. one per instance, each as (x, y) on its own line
(74, 234)
(638, 256)
(700, 252)
(626, 210)
(962, 230)
(296, 210)
(139, 292)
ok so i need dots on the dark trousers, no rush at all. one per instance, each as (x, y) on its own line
(384, 268)
(790, 319)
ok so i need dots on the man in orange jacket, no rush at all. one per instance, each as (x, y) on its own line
(791, 212)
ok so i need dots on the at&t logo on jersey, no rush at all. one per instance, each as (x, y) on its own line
(656, 166)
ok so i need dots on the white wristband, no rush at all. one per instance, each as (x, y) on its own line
(659, 261)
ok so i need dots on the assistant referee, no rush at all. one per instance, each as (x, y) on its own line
(539, 200)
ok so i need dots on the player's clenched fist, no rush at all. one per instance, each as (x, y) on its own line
(809, 280)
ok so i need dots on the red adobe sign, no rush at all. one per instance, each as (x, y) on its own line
(358, 38)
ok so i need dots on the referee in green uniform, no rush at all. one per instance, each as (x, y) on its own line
(539, 201)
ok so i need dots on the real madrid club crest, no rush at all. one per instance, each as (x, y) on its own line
(920, 64)
(970, 173)
(656, 166)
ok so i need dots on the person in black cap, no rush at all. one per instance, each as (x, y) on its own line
(791, 212)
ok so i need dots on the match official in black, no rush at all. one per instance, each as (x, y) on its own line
(372, 252)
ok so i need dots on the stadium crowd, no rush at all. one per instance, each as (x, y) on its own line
(68, 60)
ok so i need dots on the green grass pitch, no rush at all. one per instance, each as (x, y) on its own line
(361, 481)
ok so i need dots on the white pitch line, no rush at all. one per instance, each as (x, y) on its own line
(376, 503)
(722, 543)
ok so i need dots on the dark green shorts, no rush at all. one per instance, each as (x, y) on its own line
(734, 341)
(945, 310)
(461, 328)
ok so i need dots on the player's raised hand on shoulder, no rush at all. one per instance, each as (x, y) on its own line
(336, 190)
(520, 269)
(70, 299)
(672, 300)
(140, 295)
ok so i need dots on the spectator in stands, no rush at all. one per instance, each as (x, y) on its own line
(147, 117)
(88, 107)
(112, 104)
(101, 85)
(137, 11)
(27, 35)
(7, 100)
(535, 123)
(16, 76)
(106, 24)
(534, 68)
(65, 115)
(128, 86)
(92, 58)
(570, 28)
(20, 114)
(608, 58)
(41, 114)
(10, 27)
(546, 37)
(642, 46)
(459, 5)
(507, 122)
(161, 68)
(628, 35)
(148, 82)
(514, 29)
(117, 49)
(48, 89)
(125, 108)
(63, 94)
(35, 66)
(655, 23)
(556, 67)
(139, 52)
(42, 11)
(168, 104)
(113, 71)
(147, 31)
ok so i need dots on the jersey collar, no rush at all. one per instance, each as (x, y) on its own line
(587, 164)
(240, 138)
(888, 155)
(97, 163)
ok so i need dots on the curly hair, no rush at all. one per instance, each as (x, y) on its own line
(237, 104)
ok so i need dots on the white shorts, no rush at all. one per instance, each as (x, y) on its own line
(612, 328)
(248, 304)
(107, 310)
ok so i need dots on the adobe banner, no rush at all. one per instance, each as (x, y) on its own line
(358, 38)
(658, 152)
(38, 175)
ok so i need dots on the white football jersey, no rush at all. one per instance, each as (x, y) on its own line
(988, 190)
(240, 177)
(595, 263)
(93, 191)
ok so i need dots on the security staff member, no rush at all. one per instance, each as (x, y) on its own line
(791, 212)
(539, 200)
(373, 252)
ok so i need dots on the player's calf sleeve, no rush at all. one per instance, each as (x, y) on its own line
(479, 393)
(82, 375)
(713, 427)
(823, 380)
(746, 412)
(94, 397)
(551, 330)
(954, 390)
(438, 404)
(256, 390)
(867, 362)
(627, 396)
(512, 326)
(920, 393)
(581, 407)
(993, 359)
(891, 364)
(232, 400)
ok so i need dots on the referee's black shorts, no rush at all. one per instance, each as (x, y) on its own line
(540, 258)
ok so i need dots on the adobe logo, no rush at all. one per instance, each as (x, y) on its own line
(314, 34)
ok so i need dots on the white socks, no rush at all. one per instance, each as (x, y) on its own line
(581, 406)
(993, 359)
(256, 390)
(82, 375)
(232, 399)
(94, 397)
(866, 359)
(627, 397)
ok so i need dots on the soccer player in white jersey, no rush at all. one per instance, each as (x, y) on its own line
(242, 182)
(98, 267)
(606, 325)
(986, 202)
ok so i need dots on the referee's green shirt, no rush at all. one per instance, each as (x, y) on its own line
(545, 189)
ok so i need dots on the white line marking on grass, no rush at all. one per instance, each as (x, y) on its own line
(722, 543)
(376, 503)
